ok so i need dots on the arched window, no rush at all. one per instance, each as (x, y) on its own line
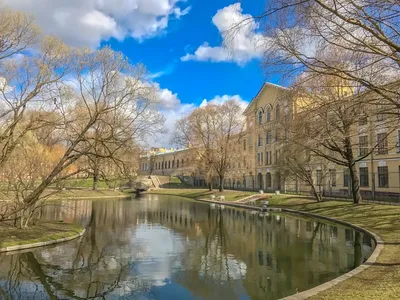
(182, 162)
(268, 180)
(177, 163)
(260, 117)
(169, 164)
(268, 114)
(278, 112)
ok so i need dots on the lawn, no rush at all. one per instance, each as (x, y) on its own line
(203, 193)
(381, 280)
(11, 236)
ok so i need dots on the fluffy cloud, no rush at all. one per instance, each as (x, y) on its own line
(221, 99)
(89, 22)
(173, 109)
(240, 45)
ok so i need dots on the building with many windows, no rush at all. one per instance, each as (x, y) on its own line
(254, 164)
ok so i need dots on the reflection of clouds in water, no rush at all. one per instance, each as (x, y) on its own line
(156, 252)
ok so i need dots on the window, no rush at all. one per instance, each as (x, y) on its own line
(169, 164)
(380, 116)
(364, 176)
(398, 141)
(278, 112)
(260, 115)
(346, 177)
(173, 164)
(244, 144)
(268, 137)
(319, 177)
(177, 163)
(262, 158)
(363, 145)
(276, 135)
(259, 158)
(259, 140)
(363, 120)
(268, 114)
(266, 158)
(268, 180)
(332, 177)
(182, 162)
(276, 156)
(382, 143)
(383, 177)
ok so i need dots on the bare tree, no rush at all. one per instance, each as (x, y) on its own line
(17, 32)
(28, 86)
(356, 41)
(105, 91)
(296, 164)
(327, 123)
(211, 130)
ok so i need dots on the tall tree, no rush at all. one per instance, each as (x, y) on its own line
(356, 41)
(211, 130)
(327, 122)
(106, 107)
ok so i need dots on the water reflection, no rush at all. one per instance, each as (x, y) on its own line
(157, 247)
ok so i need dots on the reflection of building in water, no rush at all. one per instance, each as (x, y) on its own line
(67, 210)
(132, 247)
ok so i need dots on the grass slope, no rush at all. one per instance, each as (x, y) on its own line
(381, 280)
(11, 236)
(202, 193)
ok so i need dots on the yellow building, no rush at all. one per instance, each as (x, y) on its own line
(254, 167)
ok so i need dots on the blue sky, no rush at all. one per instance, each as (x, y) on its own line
(179, 41)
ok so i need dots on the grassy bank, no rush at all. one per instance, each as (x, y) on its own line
(11, 236)
(202, 193)
(381, 280)
(76, 194)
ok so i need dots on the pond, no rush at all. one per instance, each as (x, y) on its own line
(163, 247)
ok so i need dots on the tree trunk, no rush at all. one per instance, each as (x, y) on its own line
(355, 186)
(210, 186)
(315, 193)
(95, 178)
(221, 183)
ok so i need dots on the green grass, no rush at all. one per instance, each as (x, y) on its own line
(175, 183)
(202, 193)
(11, 236)
(381, 280)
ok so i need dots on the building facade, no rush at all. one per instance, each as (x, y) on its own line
(254, 162)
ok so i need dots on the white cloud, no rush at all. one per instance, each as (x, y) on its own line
(221, 99)
(240, 45)
(168, 99)
(173, 109)
(89, 22)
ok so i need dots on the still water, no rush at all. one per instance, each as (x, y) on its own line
(162, 247)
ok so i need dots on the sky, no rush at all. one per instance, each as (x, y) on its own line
(179, 41)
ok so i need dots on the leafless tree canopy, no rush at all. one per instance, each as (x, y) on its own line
(65, 112)
(212, 130)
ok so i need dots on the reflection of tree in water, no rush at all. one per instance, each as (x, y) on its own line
(216, 254)
(91, 267)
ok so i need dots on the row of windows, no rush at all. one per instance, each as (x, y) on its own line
(268, 137)
(268, 157)
(383, 177)
(170, 164)
(382, 144)
(268, 115)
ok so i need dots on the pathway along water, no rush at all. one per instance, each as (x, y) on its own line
(163, 247)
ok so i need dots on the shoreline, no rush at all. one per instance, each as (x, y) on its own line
(71, 233)
(331, 283)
